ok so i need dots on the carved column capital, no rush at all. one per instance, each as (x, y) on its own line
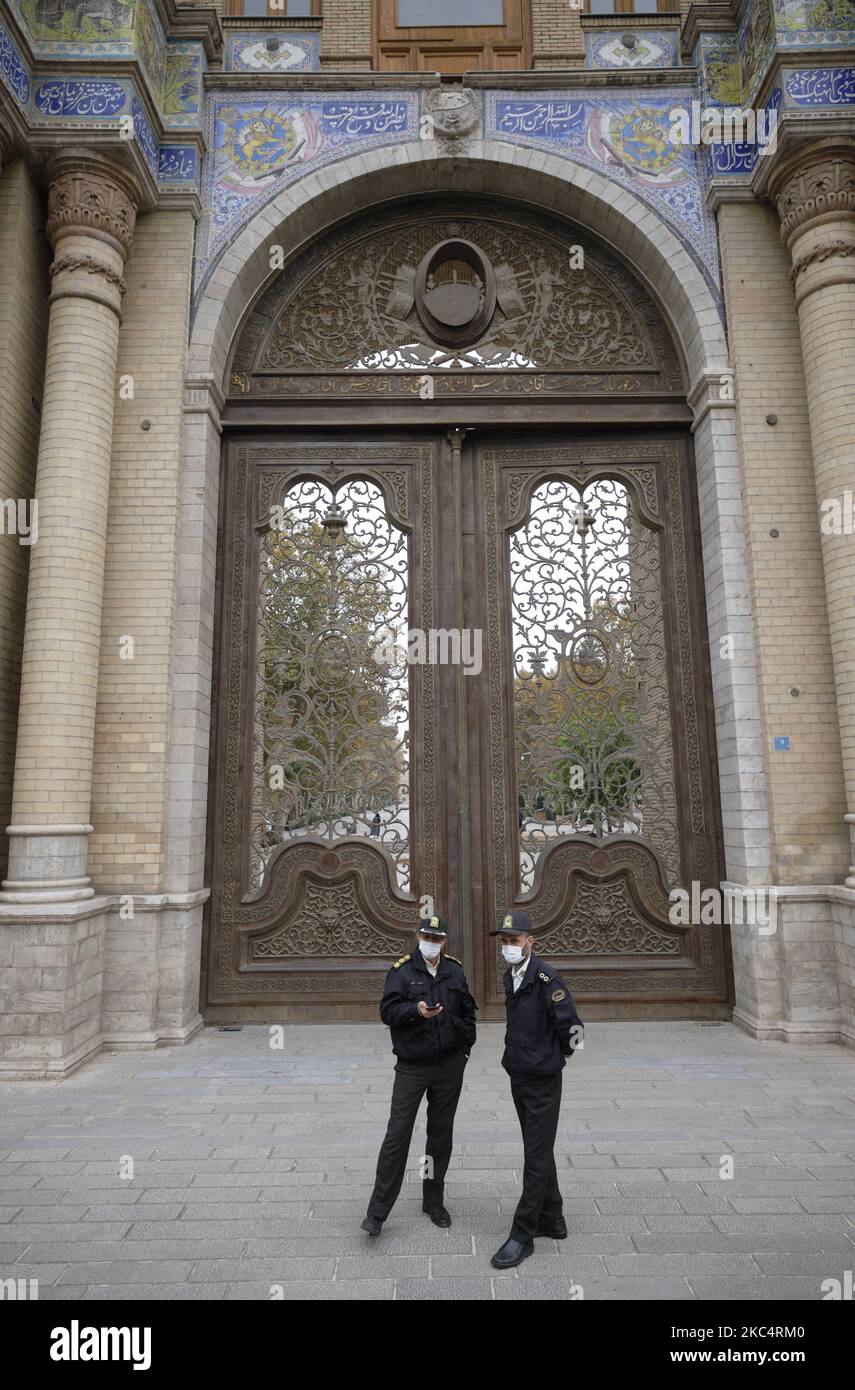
(88, 196)
(815, 186)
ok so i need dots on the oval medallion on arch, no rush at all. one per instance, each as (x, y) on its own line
(455, 292)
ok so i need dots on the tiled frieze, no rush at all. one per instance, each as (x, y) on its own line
(268, 51)
(754, 68)
(156, 89)
(260, 141)
(627, 139)
(637, 48)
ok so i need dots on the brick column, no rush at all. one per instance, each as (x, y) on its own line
(91, 213)
(815, 196)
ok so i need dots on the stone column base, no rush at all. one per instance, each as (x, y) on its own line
(797, 983)
(117, 971)
(47, 864)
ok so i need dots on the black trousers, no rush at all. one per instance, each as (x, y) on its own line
(443, 1082)
(538, 1102)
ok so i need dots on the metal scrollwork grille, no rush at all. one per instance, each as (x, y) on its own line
(591, 713)
(331, 698)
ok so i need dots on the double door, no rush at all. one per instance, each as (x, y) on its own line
(460, 671)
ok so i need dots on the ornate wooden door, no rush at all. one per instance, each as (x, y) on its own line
(332, 787)
(595, 760)
(568, 770)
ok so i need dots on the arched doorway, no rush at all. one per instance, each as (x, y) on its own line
(461, 639)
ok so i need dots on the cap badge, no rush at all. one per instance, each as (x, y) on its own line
(508, 922)
(434, 921)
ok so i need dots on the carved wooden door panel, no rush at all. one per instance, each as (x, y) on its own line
(594, 757)
(569, 770)
(331, 798)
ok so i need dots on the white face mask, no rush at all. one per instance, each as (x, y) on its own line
(513, 954)
(430, 949)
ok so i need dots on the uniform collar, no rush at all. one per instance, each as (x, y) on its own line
(528, 975)
(421, 964)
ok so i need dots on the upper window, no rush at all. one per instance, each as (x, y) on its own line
(433, 14)
(630, 6)
(452, 36)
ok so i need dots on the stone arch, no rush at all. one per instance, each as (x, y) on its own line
(303, 211)
(296, 215)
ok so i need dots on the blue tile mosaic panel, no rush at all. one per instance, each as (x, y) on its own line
(651, 48)
(263, 141)
(815, 87)
(13, 69)
(295, 51)
(627, 140)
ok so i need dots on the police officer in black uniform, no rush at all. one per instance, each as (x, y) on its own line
(543, 1031)
(431, 1016)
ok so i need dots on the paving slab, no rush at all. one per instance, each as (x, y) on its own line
(251, 1173)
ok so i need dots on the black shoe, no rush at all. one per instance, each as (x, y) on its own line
(513, 1252)
(438, 1215)
(556, 1230)
(372, 1224)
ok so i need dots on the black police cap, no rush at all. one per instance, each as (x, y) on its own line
(435, 924)
(514, 923)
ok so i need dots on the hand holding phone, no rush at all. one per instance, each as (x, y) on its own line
(428, 1011)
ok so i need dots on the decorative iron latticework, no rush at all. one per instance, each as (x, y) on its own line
(331, 714)
(591, 713)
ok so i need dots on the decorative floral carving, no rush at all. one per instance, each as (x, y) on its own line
(822, 253)
(605, 921)
(329, 921)
(359, 311)
(91, 265)
(341, 317)
(90, 201)
(825, 184)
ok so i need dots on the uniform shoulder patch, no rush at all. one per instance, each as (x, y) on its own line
(454, 958)
(558, 995)
(399, 963)
(544, 977)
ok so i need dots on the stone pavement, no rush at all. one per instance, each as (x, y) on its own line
(253, 1168)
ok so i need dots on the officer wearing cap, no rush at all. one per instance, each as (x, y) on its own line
(543, 1031)
(431, 1016)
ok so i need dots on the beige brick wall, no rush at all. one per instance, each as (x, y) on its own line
(134, 696)
(806, 789)
(24, 259)
(556, 35)
(346, 38)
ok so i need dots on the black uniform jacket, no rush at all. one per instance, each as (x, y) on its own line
(417, 1039)
(541, 1016)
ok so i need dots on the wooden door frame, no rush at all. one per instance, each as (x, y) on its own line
(528, 421)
